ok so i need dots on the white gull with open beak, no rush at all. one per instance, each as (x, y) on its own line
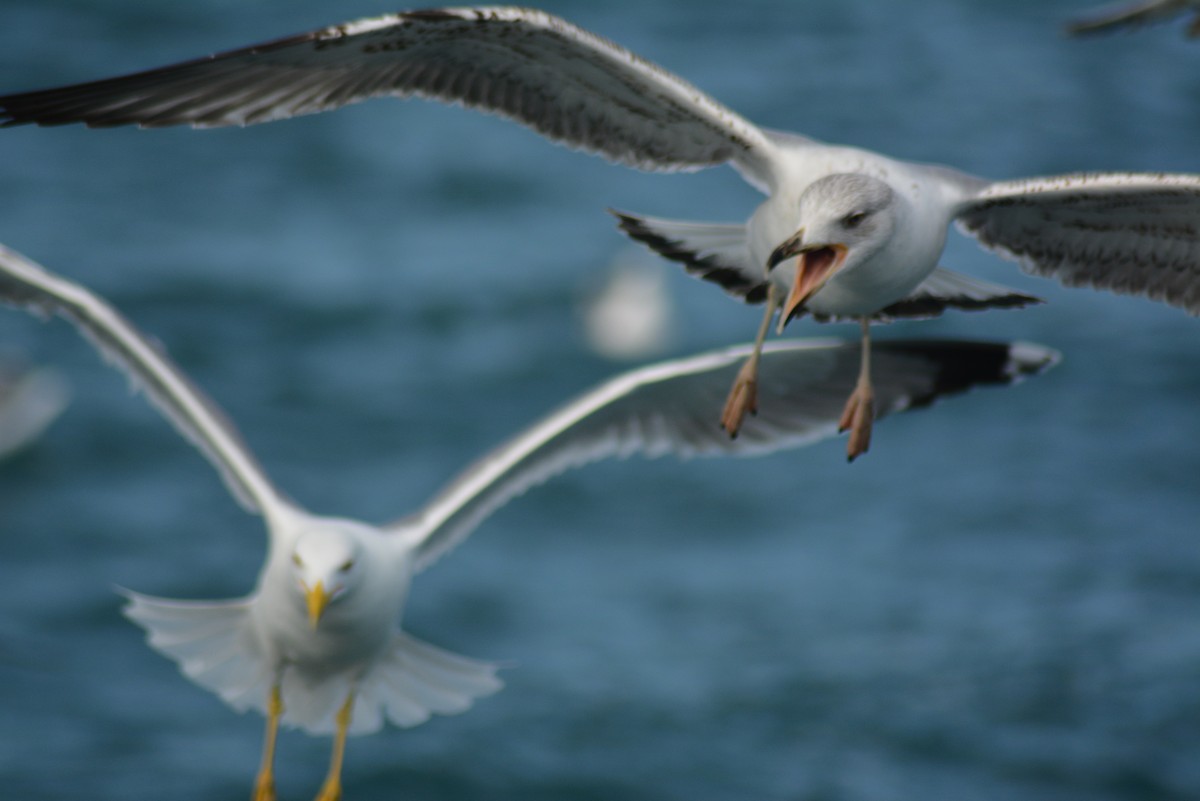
(843, 232)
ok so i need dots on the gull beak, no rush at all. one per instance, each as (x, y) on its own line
(815, 266)
(317, 599)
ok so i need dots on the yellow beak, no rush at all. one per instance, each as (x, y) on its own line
(317, 600)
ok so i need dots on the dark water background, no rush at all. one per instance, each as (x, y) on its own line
(999, 602)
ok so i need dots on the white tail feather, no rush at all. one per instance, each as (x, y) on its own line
(212, 643)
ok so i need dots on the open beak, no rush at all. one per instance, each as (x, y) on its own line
(816, 265)
(317, 599)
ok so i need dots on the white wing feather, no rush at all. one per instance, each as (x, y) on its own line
(23, 283)
(672, 408)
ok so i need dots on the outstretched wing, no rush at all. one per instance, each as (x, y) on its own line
(1130, 233)
(568, 84)
(23, 283)
(672, 407)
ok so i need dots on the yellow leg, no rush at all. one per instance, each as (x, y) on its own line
(264, 785)
(743, 397)
(859, 413)
(332, 789)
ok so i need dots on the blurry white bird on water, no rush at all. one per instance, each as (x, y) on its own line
(631, 315)
(316, 644)
(843, 233)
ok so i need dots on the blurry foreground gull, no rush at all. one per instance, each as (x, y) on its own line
(844, 232)
(317, 644)
(31, 398)
(1132, 15)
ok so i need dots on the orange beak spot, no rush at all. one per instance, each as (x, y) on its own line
(814, 267)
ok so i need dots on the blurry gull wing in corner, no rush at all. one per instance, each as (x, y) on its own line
(1135, 15)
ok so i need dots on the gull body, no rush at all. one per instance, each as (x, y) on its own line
(893, 258)
(317, 644)
(800, 251)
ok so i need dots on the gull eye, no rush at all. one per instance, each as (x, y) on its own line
(345, 568)
(853, 219)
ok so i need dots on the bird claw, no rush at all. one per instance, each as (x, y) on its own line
(743, 398)
(858, 417)
(264, 788)
(330, 791)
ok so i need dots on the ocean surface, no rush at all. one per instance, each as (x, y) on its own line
(1000, 601)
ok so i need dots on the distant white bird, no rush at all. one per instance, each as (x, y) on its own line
(631, 315)
(31, 398)
(844, 232)
(1133, 15)
(317, 643)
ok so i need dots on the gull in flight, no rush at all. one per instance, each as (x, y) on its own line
(316, 644)
(1132, 15)
(844, 233)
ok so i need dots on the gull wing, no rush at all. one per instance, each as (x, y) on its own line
(1129, 15)
(1130, 233)
(25, 284)
(945, 289)
(672, 408)
(570, 85)
(715, 252)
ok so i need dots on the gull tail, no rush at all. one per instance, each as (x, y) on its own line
(214, 645)
(211, 641)
(714, 252)
(411, 681)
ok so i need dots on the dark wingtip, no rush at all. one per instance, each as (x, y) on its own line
(963, 365)
(707, 268)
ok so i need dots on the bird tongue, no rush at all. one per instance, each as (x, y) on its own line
(812, 271)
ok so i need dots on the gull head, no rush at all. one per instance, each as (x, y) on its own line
(326, 565)
(846, 219)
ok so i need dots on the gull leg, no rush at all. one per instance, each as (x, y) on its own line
(859, 413)
(331, 790)
(264, 785)
(743, 397)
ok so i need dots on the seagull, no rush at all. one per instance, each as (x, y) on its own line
(316, 644)
(1131, 15)
(631, 315)
(844, 233)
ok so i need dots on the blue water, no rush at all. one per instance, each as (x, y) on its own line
(999, 602)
